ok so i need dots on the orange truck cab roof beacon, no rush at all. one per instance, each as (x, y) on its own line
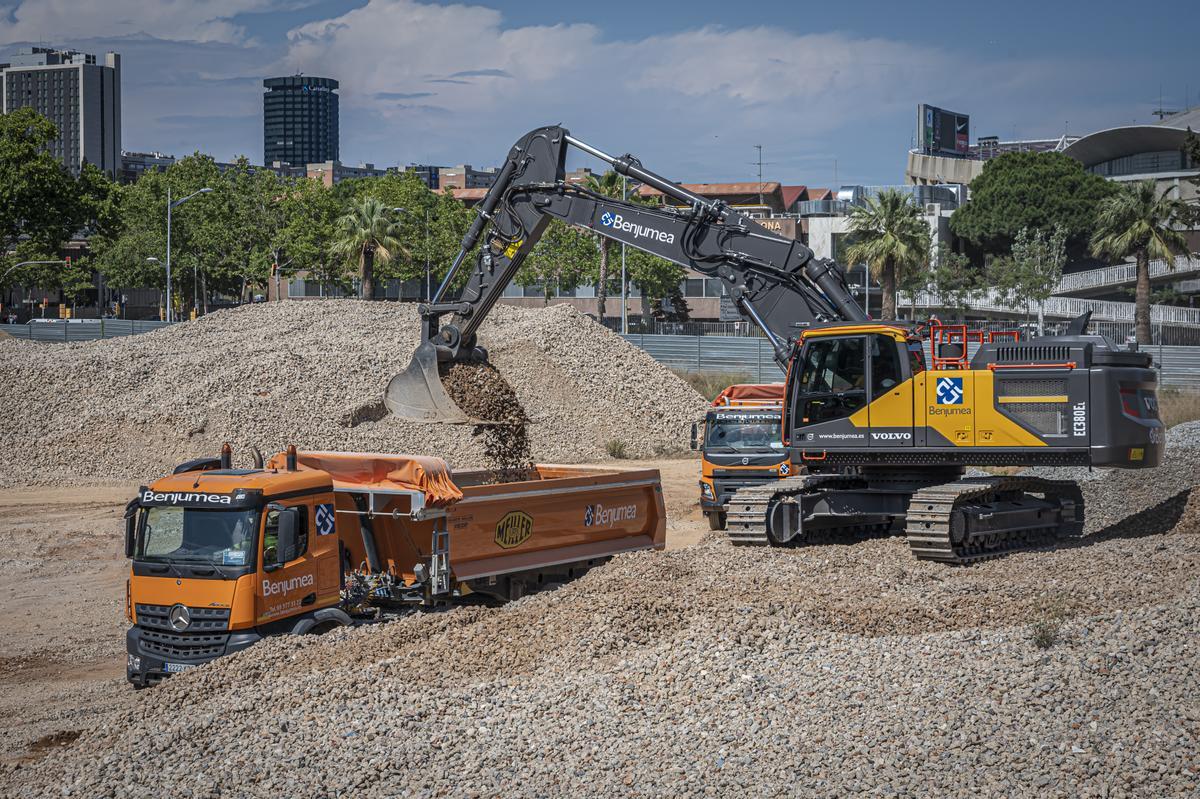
(308, 541)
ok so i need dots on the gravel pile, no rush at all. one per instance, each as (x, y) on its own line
(313, 374)
(710, 671)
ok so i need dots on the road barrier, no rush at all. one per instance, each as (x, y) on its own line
(80, 329)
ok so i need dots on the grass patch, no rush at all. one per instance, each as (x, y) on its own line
(1046, 629)
(1175, 406)
(616, 449)
(710, 384)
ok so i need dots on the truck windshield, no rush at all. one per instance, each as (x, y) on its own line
(191, 535)
(760, 435)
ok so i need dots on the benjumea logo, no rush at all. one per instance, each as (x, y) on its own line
(609, 219)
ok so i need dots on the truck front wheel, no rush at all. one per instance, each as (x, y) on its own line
(716, 521)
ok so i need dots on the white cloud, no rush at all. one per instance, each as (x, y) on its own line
(180, 20)
(705, 91)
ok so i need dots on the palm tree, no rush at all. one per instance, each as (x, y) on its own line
(1138, 221)
(892, 239)
(610, 185)
(367, 233)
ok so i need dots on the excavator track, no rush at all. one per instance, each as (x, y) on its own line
(749, 507)
(939, 527)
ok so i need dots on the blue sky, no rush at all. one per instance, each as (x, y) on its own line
(690, 87)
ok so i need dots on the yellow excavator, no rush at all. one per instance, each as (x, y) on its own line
(883, 416)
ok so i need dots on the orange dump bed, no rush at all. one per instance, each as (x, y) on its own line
(742, 394)
(557, 515)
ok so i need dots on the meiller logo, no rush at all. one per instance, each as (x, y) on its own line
(175, 497)
(609, 219)
(284, 586)
(599, 516)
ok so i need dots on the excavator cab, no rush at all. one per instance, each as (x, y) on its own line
(851, 386)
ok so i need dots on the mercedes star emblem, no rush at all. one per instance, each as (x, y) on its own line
(181, 618)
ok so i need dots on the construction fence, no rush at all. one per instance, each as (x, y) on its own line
(79, 329)
(751, 359)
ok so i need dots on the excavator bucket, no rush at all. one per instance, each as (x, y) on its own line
(417, 392)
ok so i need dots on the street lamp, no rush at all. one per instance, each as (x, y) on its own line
(171, 205)
(428, 278)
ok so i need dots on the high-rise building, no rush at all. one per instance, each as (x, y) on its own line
(300, 120)
(80, 96)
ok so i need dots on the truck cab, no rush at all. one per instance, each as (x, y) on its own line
(740, 444)
(222, 557)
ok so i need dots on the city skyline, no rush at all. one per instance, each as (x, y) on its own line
(831, 95)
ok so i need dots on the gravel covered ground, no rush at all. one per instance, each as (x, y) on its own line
(713, 671)
(313, 374)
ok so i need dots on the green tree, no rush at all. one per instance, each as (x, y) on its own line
(1191, 149)
(1039, 191)
(367, 233)
(1140, 221)
(201, 230)
(609, 184)
(889, 236)
(40, 203)
(430, 227)
(1038, 259)
(954, 280)
(304, 244)
(564, 258)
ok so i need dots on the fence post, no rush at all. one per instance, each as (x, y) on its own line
(102, 327)
(758, 351)
(697, 354)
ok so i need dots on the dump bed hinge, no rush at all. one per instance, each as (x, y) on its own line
(439, 571)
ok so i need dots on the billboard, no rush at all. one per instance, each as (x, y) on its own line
(942, 132)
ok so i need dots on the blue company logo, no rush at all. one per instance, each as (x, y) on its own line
(607, 219)
(589, 515)
(784, 468)
(950, 391)
(324, 519)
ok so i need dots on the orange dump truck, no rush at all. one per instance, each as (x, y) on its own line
(741, 445)
(310, 541)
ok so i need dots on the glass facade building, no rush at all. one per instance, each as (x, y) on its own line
(300, 120)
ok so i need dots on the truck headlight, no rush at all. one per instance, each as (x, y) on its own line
(706, 490)
(133, 662)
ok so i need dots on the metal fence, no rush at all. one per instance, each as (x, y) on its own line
(752, 358)
(80, 329)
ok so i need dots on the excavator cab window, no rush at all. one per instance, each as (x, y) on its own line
(833, 381)
(886, 370)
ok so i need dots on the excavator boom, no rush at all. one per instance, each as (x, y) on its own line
(774, 282)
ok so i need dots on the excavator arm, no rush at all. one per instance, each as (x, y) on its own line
(774, 282)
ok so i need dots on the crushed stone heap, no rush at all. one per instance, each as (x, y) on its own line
(313, 374)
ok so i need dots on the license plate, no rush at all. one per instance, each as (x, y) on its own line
(177, 667)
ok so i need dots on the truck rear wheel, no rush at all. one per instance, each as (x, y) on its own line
(716, 521)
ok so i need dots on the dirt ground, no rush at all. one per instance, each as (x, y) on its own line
(62, 596)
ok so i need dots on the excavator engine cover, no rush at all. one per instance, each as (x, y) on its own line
(417, 393)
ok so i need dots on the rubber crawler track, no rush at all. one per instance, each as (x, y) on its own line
(932, 511)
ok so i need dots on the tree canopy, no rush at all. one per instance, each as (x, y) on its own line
(1036, 191)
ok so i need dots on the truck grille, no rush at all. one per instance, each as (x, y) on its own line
(158, 617)
(204, 639)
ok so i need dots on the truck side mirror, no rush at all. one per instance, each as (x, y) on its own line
(695, 432)
(131, 514)
(286, 543)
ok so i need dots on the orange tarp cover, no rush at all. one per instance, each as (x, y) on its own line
(351, 470)
(750, 392)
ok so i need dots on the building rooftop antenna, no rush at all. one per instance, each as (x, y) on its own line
(1162, 112)
(760, 164)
